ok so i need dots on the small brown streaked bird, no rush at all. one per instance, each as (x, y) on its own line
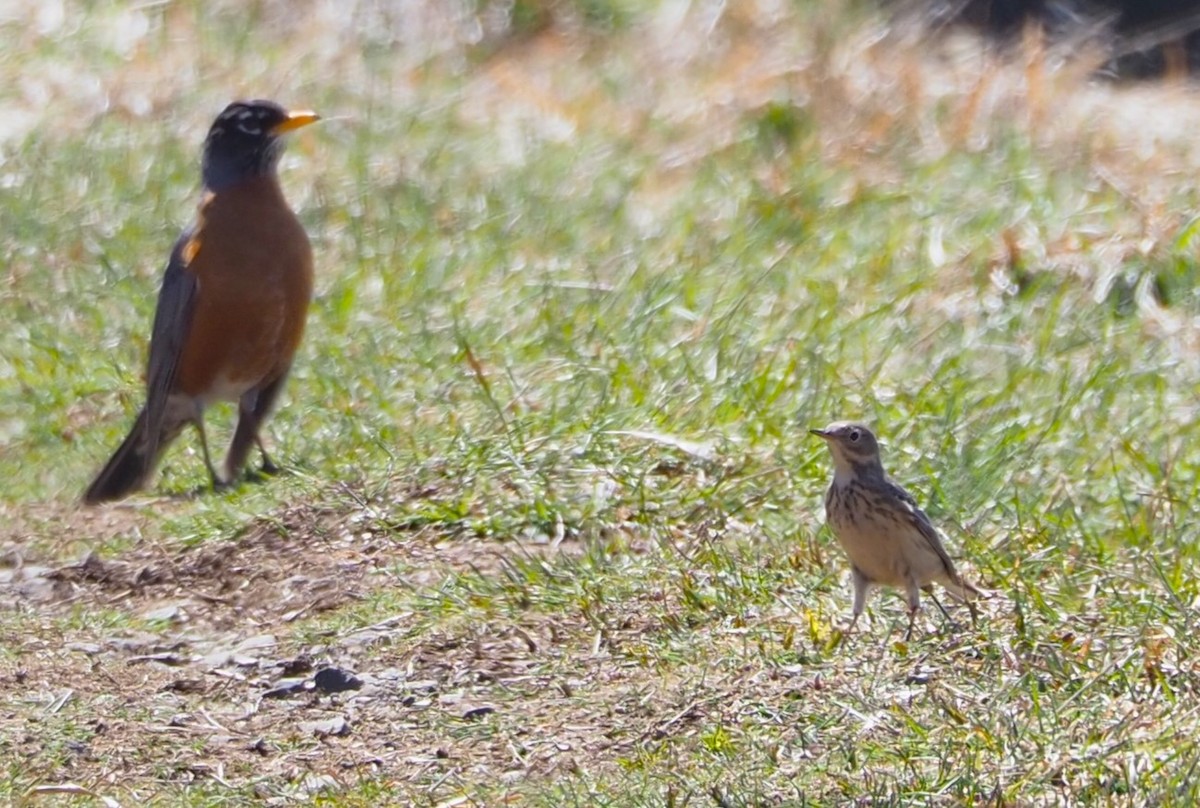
(232, 306)
(888, 539)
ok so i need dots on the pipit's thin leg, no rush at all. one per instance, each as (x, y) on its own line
(914, 606)
(938, 603)
(969, 599)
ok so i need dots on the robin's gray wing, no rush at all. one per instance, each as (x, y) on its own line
(172, 322)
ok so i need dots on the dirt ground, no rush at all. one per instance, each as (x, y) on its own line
(166, 665)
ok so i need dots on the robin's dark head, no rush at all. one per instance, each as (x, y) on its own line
(246, 141)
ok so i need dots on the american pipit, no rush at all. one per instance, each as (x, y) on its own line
(889, 540)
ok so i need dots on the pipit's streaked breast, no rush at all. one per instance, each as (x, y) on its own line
(889, 540)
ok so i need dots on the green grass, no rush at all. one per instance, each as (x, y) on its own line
(584, 282)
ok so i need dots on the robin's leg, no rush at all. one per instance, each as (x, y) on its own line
(253, 408)
(217, 481)
(268, 465)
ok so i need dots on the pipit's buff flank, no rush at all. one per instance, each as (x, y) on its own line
(889, 540)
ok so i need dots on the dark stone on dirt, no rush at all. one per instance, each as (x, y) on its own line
(80, 749)
(336, 680)
(297, 666)
(476, 713)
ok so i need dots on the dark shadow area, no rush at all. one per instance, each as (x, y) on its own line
(1145, 39)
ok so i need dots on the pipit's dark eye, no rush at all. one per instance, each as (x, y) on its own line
(854, 433)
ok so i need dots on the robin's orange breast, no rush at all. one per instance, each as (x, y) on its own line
(253, 263)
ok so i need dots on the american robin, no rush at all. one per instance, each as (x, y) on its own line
(232, 306)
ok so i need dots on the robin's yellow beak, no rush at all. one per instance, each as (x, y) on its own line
(820, 433)
(295, 120)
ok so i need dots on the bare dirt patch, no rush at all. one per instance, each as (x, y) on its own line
(237, 662)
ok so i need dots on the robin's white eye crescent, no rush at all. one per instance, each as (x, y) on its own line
(854, 435)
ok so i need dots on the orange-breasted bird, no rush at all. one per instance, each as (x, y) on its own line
(232, 306)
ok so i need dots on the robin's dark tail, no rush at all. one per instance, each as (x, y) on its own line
(128, 468)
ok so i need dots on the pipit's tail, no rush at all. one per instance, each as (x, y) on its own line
(960, 589)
